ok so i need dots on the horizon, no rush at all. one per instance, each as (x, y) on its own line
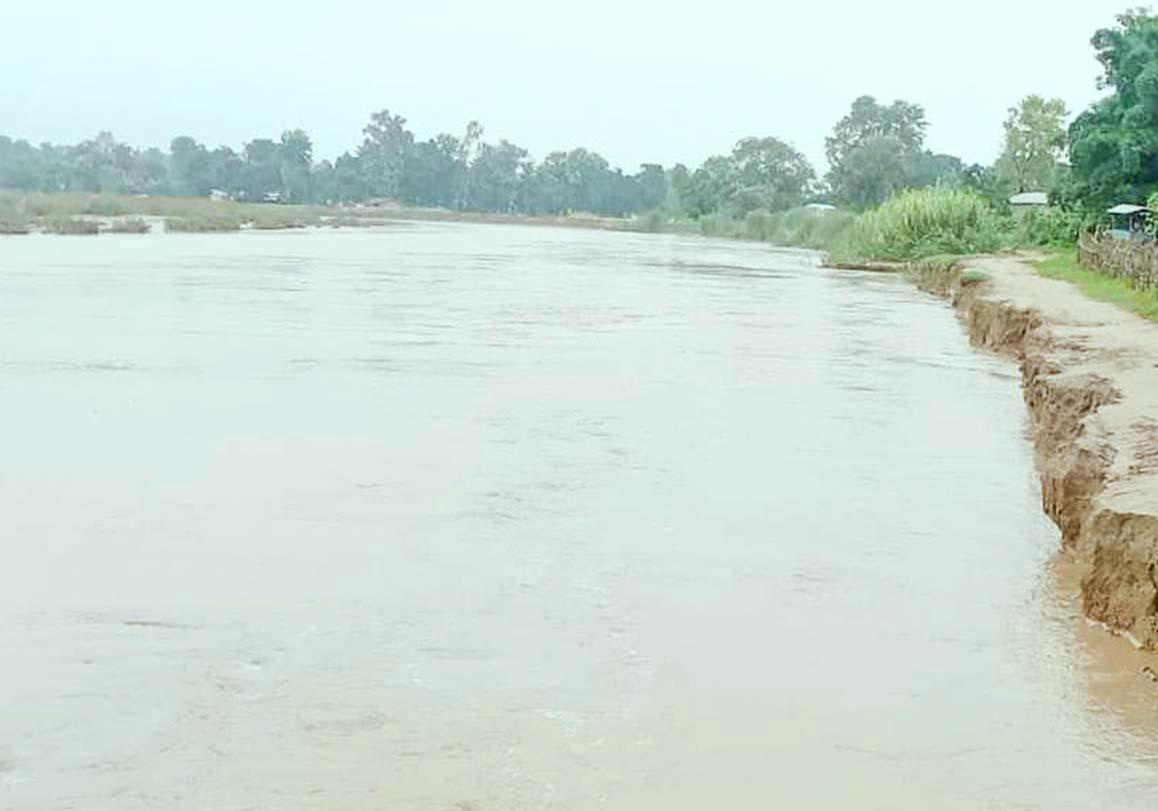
(330, 92)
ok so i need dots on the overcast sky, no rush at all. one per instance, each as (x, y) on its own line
(637, 81)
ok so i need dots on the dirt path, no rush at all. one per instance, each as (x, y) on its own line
(1090, 374)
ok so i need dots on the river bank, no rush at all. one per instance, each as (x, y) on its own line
(1091, 384)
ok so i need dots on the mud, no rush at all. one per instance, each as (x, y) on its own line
(1090, 380)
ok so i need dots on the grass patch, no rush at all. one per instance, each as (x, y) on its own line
(1064, 266)
(203, 224)
(72, 226)
(975, 277)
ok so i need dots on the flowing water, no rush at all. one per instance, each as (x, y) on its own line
(486, 517)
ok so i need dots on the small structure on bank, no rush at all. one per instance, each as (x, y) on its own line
(1129, 221)
(1028, 201)
(820, 209)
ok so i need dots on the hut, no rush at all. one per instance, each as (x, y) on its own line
(1028, 201)
(1129, 221)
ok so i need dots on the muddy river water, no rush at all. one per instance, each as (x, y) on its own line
(489, 517)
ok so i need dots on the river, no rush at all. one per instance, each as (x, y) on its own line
(443, 516)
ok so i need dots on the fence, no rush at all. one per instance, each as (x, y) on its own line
(1136, 262)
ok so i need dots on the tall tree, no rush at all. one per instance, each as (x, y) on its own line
(874, 138)
(295, 157)
(1035, 140)
(189, 167)
(382, 155)
(1114, 143)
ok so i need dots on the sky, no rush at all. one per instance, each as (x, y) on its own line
(636, 81)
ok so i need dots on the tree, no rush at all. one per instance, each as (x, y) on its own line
(927, 168)
(262, 173)
(770, 175)
(651, 182)
(1035, 139)
(382, 155)
(869, 119)
(498, 176)
(872, 171)
(295, 158)
(874, 138)
(189, 167)
(1114, 143)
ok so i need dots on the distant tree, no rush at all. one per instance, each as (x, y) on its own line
(925, 168)
(651, 183)
(871, 149)
(1035, 140)
(382, 155)
(498, 177)
(867, 119)
(770, 174)
(189, 167)
(262, 173)
(295, 158)
(872, 171)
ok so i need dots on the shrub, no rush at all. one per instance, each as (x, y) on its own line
(128, 225)
(924, 222)
(1048, 227)
(72, 226)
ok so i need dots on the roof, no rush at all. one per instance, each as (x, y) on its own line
(1126, 208)
(1030, 198)
(821, 206)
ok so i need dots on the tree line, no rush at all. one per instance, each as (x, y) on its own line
(876, 150)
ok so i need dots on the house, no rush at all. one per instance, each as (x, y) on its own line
(217, 195)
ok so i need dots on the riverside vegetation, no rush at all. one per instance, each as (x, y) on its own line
(897, 199)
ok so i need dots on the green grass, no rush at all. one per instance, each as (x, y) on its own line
(203, 224)
(974, 277)
(1064, 266)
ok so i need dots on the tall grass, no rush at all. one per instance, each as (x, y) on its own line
(795, 227)
(924, 222)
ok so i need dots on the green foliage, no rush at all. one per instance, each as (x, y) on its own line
(1114, 143)
(877, 150)
(1048, 227)
(1035, 139)
(1112, 289)
(760, 173)
(921, 223)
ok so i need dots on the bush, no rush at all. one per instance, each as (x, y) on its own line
(72, 226)
(924, 222)
(128, 225)
(1048, 227)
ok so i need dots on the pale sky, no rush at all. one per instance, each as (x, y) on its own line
(636, 81)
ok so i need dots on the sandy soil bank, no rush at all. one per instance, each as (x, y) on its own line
(1090, 377)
